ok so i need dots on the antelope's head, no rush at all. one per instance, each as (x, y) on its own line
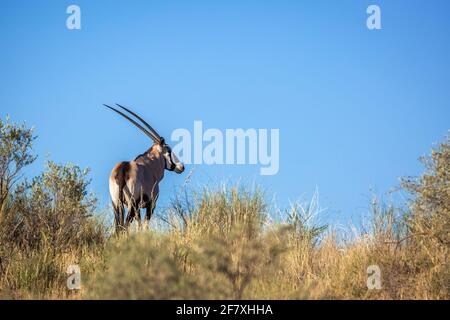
(171, 160)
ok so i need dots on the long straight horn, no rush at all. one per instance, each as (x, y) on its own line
(135, 123)
(142, 120)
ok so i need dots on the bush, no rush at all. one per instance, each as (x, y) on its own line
(54, 227)
(45, 225)
(430, 208)
(16, 142)
(139, 267)
(429, 223)
(56, 210)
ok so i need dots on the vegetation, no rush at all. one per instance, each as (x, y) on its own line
(45, 225)
(214, 244)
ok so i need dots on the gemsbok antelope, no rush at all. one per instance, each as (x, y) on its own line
(135, 184)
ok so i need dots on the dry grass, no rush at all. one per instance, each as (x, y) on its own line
(222, 244)
(226, 248)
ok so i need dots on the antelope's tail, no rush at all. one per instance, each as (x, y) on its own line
(121, 179)
(117, 186)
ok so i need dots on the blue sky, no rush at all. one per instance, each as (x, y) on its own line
(355, 108)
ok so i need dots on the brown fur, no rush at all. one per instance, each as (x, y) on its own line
(138, 185)
(121, 174)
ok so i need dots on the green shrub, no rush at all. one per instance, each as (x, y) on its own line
(429, 224)
(139, 267)
(46, 224)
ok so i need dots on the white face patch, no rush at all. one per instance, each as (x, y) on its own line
(175, 159)
(172, 161)
(168, 160)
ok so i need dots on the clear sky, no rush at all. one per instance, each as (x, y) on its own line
(355, 108)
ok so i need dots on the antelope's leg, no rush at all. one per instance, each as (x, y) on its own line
(138, 216)
(118, 213)
(130, 215)
(151, 203)
(121, 215)
(140, 204)
(149, 208)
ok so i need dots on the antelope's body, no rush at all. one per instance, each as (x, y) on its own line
(135, 184)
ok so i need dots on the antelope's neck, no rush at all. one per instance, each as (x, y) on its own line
(155, 157)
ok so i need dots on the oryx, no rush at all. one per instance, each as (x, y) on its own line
(135, 183)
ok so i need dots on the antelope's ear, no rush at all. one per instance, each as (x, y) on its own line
(162, 141)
